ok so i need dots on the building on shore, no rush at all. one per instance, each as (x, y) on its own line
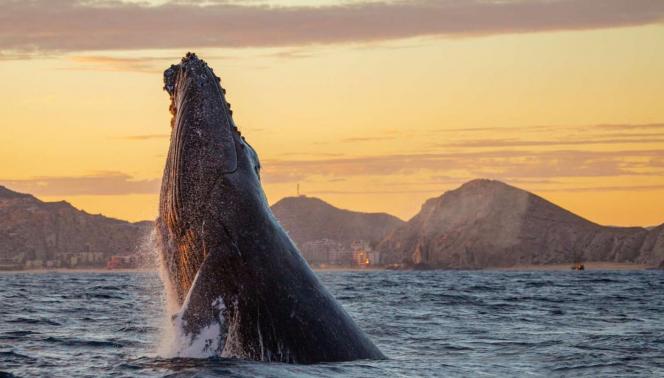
(321, 252)
(10, 264)
(70, 260)
(328, 252)
(123, 262)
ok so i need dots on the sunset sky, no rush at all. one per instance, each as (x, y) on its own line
(371, 106)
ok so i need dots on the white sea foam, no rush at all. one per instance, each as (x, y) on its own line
(205, 343)
(148, 251)
(168, 296)
(174, 340)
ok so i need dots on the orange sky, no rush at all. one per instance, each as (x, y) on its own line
(363, 115)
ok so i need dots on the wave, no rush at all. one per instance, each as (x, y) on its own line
(34, 321)
(65, 341)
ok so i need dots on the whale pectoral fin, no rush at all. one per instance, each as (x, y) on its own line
(200, 324)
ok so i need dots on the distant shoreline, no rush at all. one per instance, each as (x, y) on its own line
(591, 265)
(81, 270)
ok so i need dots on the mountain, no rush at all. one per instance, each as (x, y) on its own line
(36, 234)
(327, 235)
(487, 223)
(310, 219)
(652, 249)
(481, 224)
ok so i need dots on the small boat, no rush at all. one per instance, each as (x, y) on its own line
(577, 261)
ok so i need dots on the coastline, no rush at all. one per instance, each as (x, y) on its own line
(150, 270)
(81, 270)
(591, 265)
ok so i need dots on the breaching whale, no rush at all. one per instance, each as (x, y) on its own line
(240, 281)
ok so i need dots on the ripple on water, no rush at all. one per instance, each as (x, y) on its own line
(429, 324)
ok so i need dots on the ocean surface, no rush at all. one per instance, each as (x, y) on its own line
(434, 323)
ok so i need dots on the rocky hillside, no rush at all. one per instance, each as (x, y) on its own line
(652, 249)
(488, 223)
(309, 219)
(481, 224)
(35, 234)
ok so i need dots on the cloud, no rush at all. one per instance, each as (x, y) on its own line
(543, 143)
(355, 192)
(291, 53)
(632, 126)
(104, 183)
(505, 164)
(573, 156)
(56, 26)
(144, 64)
(572, 153)
(367, 139)
(622, 188)
(407, 173)
(280, 177)
(110, 63)
(626, 128)
(146, 137)
(312, 154)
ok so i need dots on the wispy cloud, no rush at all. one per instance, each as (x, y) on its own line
(631, 126)
(614, 188)
(52, 26)
(367, 139)
(146, 137)
(291, 53)
(146, 64)
(569, 162)
(283, 176)
(506, 163)
(538, 157)
(611, 128)
(103, 183)
(123, 64)
(543, 143)
(312, 154)
(514, 166)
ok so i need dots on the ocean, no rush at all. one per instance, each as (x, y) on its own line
(429, 324)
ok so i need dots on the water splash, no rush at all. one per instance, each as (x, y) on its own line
(206, 343)
(151, 259)
(174, 341)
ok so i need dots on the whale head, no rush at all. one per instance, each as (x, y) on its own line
(209, 168)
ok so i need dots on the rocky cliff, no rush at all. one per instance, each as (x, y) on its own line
(35, 234)
(309, 219)
(652, 249)
(488, 223)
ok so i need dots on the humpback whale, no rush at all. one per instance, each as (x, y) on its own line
(243, 288)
